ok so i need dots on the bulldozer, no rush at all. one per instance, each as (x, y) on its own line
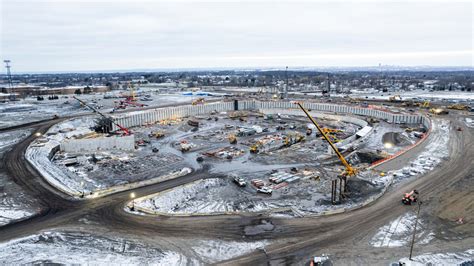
(410, 197)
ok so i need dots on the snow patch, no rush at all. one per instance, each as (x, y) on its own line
(398, 233)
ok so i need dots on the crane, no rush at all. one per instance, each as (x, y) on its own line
(349, 171)
(125, 130)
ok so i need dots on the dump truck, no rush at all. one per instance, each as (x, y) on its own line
(410, 197)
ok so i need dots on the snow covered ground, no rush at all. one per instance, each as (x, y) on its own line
(398, 233)
(220, 195)
(39, 151)
(420, 94)
(212, 251)
(85, 249)
(15, 204)
(448, 258)
(30, 110)
(434, 153)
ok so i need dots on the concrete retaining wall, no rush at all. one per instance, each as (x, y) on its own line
(105, 143)
(140, 118)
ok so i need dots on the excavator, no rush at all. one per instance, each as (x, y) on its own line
(349, 170)
(125, 130)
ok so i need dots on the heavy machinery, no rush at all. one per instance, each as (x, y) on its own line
(108, 119)
(156, 134)
(254, 148)
(198, 101)
(232, 139)
(349, 170)
(291, 139)
(395, 98)
(439, 111)
(425, 104)
(458, 106)
(410, 197)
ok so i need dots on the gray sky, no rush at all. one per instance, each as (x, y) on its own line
(107, 35)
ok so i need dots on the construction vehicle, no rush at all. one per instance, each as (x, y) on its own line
(292, 138)
(198, 101)
(395, 98)
(239, 181)
(458, 106)
(125, 130)
(265, 190)
(439, 111)
(156, 134)
(232, 139)
(410, 197)
(349, 170)
(254, 148)
(425, 104)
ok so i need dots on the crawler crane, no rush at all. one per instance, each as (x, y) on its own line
(349, 170)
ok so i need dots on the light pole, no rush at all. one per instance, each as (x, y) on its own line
(414, 229)
(132, 196)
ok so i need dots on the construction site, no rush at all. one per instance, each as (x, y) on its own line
(276, 162)
(266, 157)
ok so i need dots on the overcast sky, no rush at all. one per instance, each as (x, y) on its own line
(108, 35)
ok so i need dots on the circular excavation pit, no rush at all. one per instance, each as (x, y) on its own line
(264, 160)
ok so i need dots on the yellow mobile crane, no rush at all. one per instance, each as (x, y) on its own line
(349, 171)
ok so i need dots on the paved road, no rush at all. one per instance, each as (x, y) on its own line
(304, 236)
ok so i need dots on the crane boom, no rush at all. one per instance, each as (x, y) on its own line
(125, 130)
(350, 171)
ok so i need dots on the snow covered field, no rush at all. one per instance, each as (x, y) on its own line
(220, 195)
(448, 258)
(30, 110)
(85, 249)
(398, 233)
(15, 204)
(420, 94)
(212, 251)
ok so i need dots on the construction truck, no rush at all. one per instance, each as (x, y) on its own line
(232, 139)
(410, 197)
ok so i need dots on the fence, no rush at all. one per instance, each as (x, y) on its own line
(140, 118)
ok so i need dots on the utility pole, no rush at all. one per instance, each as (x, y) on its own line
(9, 76)
(414, 229)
